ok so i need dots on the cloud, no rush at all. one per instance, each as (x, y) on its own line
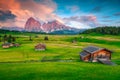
(107, 20)
(106, 17)
(6, 14)
(117, 14)
(73, 8)
(77, 25)
(96, 9)
(87, 20)
(42, 10)
(117, 21)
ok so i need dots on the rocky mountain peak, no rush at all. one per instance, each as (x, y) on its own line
(35, 26)
(32, 25)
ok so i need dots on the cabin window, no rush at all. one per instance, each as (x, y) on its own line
(101, 55)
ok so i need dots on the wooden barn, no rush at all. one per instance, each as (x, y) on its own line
(40, 47)
(94, 54)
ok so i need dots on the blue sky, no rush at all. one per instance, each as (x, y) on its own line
(107, 12)
(74, 13)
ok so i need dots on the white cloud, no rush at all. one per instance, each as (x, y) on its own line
(78, 25)
(86, 21)
(23, 9)
(73, 8)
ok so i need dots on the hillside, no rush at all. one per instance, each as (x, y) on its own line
(60, 59)
(104, 30)
(59, 39)
(59, 32)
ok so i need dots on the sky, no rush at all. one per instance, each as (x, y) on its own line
(75, 13)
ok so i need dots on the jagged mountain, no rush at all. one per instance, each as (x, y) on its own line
(54, 26)
(33, 25)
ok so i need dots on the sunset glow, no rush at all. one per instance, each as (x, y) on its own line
(74, 13)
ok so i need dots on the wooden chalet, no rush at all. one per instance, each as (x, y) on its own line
(94, 54)
(6, 45)
(40, 47)
(16, 44)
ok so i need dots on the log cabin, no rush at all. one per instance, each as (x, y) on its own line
(6, 45)
(9, 45)
(40, 47)
(93, 54)
(16, 44)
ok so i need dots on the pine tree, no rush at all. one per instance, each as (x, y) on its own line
(0, 38)
(13, 39)
(30, 38)
(46, 38)
(5, 38)
(9, 39)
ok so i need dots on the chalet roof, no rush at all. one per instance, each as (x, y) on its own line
(92, 49)
(40, 46)
(84, 53)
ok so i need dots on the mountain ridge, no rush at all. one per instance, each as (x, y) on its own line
(33, 25)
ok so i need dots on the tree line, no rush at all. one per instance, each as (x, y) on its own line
(2, 31)
(104, 30)
(7, 38)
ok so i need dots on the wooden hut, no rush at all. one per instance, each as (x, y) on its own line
(94, 54)
(11, 44)
(40, 47)
(16, 44)
(6, 45)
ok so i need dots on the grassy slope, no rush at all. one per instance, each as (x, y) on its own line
(59, 47)
(59, 71)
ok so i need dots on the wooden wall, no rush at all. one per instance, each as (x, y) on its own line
(102, 53)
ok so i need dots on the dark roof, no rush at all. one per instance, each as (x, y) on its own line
(83, 53)
(92, 49)
(40, 46)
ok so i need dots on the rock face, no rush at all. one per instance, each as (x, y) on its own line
(32, 25)
(54, 26)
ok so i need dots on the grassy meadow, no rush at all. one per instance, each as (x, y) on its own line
(24, 63)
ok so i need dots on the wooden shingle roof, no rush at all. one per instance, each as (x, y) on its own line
(92, 49)
(40, 46)
(84, 53)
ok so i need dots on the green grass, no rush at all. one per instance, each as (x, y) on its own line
(58, 47)
(58, 71)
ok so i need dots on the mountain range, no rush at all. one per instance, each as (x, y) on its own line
(33, 25)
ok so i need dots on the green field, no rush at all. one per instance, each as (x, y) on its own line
(24, 63)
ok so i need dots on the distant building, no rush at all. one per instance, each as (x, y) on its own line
(40, 47)
(11, 44)
(6, 45)
(16, 44)
(94, 54)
